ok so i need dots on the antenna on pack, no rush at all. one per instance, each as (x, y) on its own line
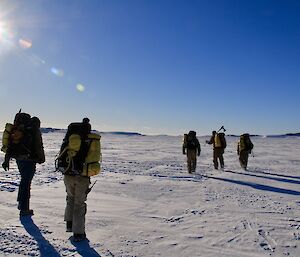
(222, 128)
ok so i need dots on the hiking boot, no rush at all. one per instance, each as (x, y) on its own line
(26, 213)
(69, 226)
(79, 237)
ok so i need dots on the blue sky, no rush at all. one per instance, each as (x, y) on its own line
(155, 66)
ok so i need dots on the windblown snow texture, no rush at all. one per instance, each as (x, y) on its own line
(146, 204)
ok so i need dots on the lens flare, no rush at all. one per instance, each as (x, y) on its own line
(38, 59)
(80, 87)
(25, 44)
(57, 72)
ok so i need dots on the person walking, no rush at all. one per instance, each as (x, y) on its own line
(79, 146)
(191, 147)
(24, 143)
(244, 148)
(219, 144)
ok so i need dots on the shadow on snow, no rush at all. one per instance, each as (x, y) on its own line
(274, 174)
(84, 248)
(257, 186)
(46, 249)
(261, 176)
(194, 177)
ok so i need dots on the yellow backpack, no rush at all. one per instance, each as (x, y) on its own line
(91, 166)
(245, 142)
(218, 142)
(92, 160)
(6, 136)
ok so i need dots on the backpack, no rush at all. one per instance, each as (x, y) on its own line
(80, 152)
(191, 140)
(18, 138)
(220, 141)
(245, 143)
(93, 158)
(185, 140)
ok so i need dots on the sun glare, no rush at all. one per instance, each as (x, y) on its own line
(12, 39)
(6, 37)
(3, 31)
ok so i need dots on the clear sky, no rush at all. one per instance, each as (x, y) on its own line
(153, 66)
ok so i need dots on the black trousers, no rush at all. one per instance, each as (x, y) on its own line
(27, 170)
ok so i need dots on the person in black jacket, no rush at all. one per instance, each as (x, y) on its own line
(28, 150)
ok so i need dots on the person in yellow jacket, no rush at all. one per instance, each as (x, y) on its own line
(219, 144)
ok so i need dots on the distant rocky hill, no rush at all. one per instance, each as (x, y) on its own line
(273, 136)
(293, 134)
(123, 133)
(49, 130)
(229, 135)
(286, 135)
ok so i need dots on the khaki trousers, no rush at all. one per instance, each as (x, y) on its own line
(244, 155)
(218, 154)
(76, 188)
(191, 160)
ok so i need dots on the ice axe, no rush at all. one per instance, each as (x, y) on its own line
(221, 129)
(90, 188)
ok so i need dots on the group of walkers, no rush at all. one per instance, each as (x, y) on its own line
(79, 158)
(192, 148)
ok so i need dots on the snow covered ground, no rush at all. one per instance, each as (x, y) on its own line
(146, 204)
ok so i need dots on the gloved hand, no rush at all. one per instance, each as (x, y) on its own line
(5, 165)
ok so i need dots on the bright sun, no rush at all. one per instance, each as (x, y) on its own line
(9, 37)
(2, 30)
(6, 37)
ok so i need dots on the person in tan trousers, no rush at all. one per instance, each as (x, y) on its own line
(244, 148)
(77, 186)
(218, 150)
(191, 147)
